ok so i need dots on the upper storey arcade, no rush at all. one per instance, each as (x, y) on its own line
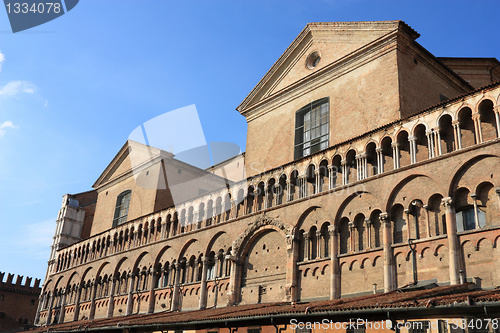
(368, 73)
(456, 126)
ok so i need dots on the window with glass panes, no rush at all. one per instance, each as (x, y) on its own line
(312, 128)
(121, 209)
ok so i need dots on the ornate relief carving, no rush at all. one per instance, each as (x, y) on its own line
(262, 221)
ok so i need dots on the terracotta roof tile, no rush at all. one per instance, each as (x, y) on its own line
(439, 296)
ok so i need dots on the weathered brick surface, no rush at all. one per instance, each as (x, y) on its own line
(310, 229)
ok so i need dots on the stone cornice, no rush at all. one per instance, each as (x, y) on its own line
(327, 74)
(323, 32)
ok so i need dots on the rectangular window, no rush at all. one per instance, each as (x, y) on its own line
(442, 326)
(253, 330)
(303, 330)
(358, 329)
(312, 128)
(419, 327)
(121, 209)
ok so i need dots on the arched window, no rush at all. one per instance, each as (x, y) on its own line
(468, 217)
(399, 224)
(121, 208)
(312, 128)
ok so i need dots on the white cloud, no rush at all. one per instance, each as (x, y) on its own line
(13, 88)
(6, 124)
(37, 239)
(2, 59)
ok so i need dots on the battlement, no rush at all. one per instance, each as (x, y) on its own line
(19, 285)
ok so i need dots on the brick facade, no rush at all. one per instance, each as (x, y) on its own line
(18, 302)
(407, 192)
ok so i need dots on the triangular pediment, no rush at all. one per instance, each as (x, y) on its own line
(131, 156)
(332, 41)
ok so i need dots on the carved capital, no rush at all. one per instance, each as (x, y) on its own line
(368, 222)
(395, 144)
(384, 218)
(289, 241)
(447, 202)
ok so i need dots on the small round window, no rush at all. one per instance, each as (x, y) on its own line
(313, 60)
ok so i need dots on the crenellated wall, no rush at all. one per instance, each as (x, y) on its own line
(18, 301)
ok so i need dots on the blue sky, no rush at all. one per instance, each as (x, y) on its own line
(73, 89)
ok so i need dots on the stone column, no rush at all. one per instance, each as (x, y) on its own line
(413, 148)
(477, 127)
(111, 305)
(351, 237)
(292, 251)
(428, 220)
(152, 297)
(358, 167)
(476, 213)
(365, 165)
(345, 176)
(266, 197)
(497, 119)
(227, 265)
(408, 231)
(395, 154)
(330, 177)
(307, 246)
(176, 293)
(319, 248)
(453, 243)
(92, 300)
(130, 298)
(304, 186)
(62, 310)
(438, 141)
(234, 280)
(457, 134)
(368, 224)
(380, 160)
(49, 313)
(232, 213)
(41, 300)
(288, 191)
(77, 303)
(389, 274)
(319, 181)
(335, 270)
(255, 205)
(430, 140)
